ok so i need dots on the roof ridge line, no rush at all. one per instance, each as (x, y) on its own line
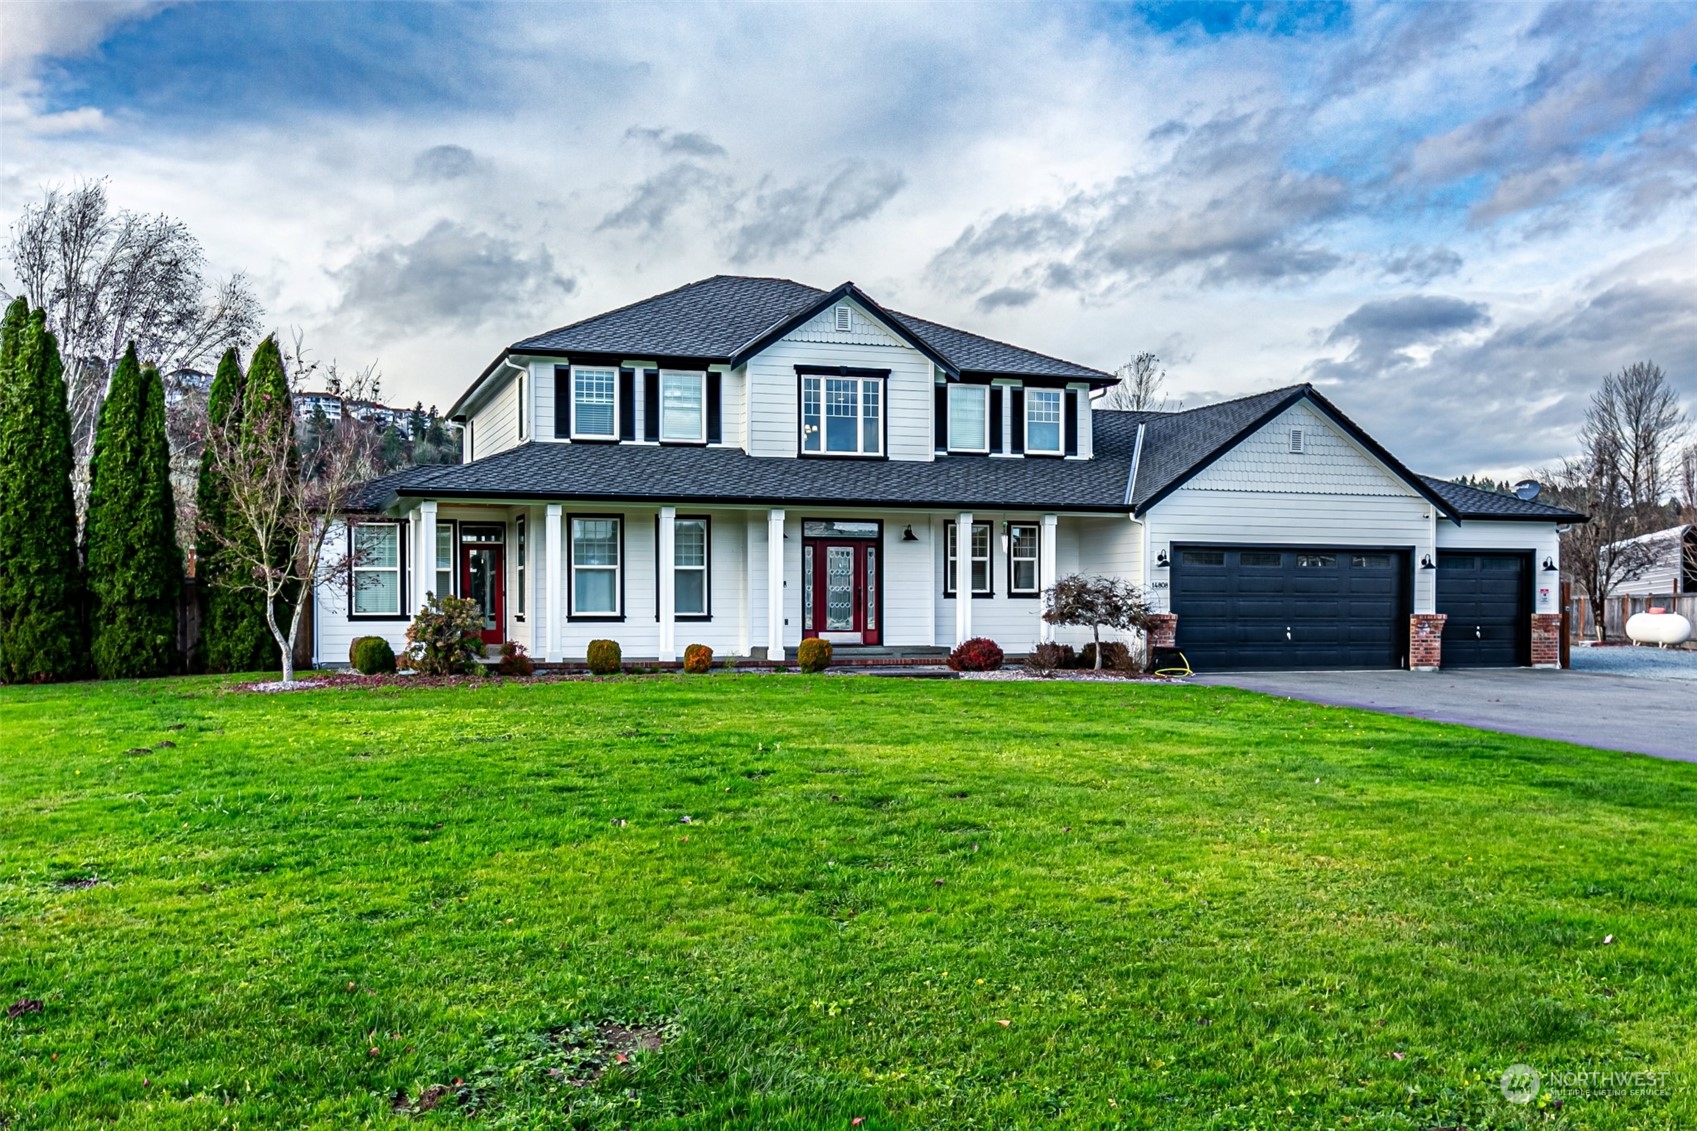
(651, 298)
(1239, 399)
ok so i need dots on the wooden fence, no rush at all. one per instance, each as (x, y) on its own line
(1582, 618)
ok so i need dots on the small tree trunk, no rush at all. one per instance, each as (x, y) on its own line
(1096, 631)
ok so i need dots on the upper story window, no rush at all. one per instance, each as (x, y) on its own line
(969, 418)
(683, 406)
(595, 394)
(1043, 415)
(842, 415)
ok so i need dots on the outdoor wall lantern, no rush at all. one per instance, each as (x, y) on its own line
(1427, 563)
(1161, 560)
(908, 535)
(1550, 565)
(1004, 537)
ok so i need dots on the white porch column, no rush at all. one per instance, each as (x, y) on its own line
(774, 585)
(963, 577)
(667, 561)
(1046, 572)
(555, 608)
(424, 567)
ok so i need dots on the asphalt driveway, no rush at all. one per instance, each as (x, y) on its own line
(1644, 715)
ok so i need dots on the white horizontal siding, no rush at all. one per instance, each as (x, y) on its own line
(495, 424)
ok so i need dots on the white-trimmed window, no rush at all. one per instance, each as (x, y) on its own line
(376, 569)
(1022, 558)
(595, 551)
(969, 418)
(683, 406)
(1043, 411)
(519, 564)
(842, 415)
(689, 567)
(595, 403)
(980, 559)
(444, 559)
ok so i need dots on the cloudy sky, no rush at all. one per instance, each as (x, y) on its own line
(1454, 219)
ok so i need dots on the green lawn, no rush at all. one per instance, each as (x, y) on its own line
(920, 903)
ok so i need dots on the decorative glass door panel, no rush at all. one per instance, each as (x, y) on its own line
(480, 577)
(839, 585)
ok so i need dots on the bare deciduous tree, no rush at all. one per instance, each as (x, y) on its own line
(108, 278)
(1621, 478)
(1688, 484)
(1094, 602)
(1139, 390)
(284, 507)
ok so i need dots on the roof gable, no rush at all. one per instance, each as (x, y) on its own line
(1330, 461)
(1180, 445)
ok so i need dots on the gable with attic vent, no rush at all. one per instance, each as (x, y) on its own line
(1300, 450)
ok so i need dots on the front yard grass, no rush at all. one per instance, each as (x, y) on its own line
(914, 903)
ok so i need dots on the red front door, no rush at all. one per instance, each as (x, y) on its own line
(481, 581)
(840, 587)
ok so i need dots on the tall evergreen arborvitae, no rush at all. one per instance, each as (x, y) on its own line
(233, 633)
(135, 569)
(42, 631)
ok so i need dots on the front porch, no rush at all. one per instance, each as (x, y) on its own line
(749, 582)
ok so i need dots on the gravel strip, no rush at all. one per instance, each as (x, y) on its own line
(1642, 662)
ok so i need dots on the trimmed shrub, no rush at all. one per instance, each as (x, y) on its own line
(1047, 659)
(43, 635)
(514, 661)
(980, 654)
(135, 568)
(446, 637)
(698, 659)
(1115, 656)
(605, 657)
(814, 655)
(371, 655)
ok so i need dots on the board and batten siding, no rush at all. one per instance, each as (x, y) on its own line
(773, 392)
(1333, 493)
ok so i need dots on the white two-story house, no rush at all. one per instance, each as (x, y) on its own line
(748, 462)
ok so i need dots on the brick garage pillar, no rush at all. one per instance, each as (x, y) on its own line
(1163, 630)
(1426, 641)
(1546, 640)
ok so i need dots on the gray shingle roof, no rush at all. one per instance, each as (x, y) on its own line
(1176, 444)
(716, 317)
(1472, 502)
(615, 472)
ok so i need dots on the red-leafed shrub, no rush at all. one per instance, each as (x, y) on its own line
(604, 657)
(698, 659)
(980, 654)
(814, 655)
(1047, 659)
(514, 661)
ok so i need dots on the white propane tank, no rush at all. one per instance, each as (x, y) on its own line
(1658, 628)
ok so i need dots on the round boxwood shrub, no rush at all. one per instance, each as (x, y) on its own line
(698, 659)
(371, 655)
(604, 657)
(980, 654)
(814, 655)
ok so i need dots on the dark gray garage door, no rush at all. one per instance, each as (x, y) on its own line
(1487, 598)
(1242, 607)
